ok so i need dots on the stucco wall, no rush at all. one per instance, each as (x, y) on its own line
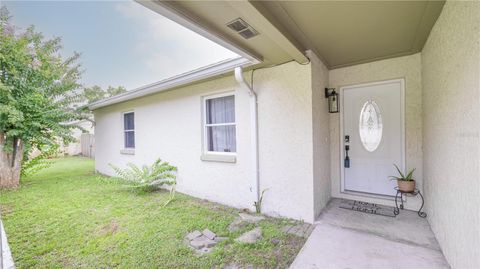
(285, 139)
(321, 135)
(451, 97)
(169, 125)
(407, 67)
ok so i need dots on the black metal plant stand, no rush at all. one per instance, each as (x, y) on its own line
(400, 195)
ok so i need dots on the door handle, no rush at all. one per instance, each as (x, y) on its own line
(346, 162)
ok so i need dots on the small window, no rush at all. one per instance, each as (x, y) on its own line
(129, 129)
(370, 126)
(220, 124)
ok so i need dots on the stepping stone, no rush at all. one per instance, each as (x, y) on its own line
(219, 239)
(287, 228)
(236, 225)
(194, 235)
(209, 234)
(250, 237)
(300, 230)
(201, 242)
(250, 218)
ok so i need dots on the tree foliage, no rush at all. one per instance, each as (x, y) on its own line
(39, 90)
(96, 93)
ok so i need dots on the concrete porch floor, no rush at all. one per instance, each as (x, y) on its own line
(348, 239)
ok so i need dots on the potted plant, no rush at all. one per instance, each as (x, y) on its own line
(406, 183)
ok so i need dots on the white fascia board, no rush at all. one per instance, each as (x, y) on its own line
(176, 81)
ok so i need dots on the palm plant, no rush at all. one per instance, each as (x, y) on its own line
(402, 176)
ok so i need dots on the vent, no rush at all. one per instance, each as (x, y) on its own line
(242, 28)
(237, 25)
(248, 33)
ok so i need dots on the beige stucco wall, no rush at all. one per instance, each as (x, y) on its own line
(451, 121)
(169, 125)
(407, 67)
(285, 139)
(321, 135)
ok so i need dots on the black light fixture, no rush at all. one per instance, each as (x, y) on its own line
(332, 96)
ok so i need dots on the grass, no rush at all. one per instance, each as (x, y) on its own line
(68, 217)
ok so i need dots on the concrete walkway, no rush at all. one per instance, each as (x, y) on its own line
(6, 261)
(348, 239)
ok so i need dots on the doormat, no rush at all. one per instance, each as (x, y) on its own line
(367, 208)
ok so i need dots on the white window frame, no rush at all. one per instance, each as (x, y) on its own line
(130, 130)
(205, 127)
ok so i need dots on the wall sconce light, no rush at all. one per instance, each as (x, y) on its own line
(332, 100)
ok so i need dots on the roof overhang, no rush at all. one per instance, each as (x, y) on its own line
(341, 33)
(210, 18)
(195, 76)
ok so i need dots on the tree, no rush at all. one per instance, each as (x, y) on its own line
(96, 93)
(38, 93)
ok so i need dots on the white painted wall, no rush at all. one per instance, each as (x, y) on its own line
(321, 135)
(451, 121)
(407, 67)
(169, 125)
(285, 139)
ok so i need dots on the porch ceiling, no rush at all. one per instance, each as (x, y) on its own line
(341, 33)
(344, 33)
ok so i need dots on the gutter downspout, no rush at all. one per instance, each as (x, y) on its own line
(254, 130)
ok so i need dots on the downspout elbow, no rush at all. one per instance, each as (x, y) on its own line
(241, 80)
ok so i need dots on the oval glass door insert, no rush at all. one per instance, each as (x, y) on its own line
(370, 126)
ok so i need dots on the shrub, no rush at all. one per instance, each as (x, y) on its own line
(147, 177)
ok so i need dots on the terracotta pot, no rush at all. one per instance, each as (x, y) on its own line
(406, 186)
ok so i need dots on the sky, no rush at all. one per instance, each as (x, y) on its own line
(121, 42)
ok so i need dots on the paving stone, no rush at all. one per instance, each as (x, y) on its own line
(251, 218)
(250, 237)
(275, 241)
(287, 228)
(197, 244)
(219, 239)
(304, 228)
(194, 235)
(209, 234)
(210, 243)
(309, 231)
(236, 225)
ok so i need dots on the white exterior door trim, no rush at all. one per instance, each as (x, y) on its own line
(341, 144)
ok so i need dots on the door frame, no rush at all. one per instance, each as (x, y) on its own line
(341, 144)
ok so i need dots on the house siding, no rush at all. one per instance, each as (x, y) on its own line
(169, 125)
(409, 68)
(451, 97)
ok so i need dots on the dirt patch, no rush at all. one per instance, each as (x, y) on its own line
(6, 210)
(109, 229)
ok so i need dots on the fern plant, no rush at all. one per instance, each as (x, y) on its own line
(402, 176)
(147, 177)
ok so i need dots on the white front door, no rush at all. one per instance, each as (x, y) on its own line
(373, 133)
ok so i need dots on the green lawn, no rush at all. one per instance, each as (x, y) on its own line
(68, 217)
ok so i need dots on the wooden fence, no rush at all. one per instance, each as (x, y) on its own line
(87, 143)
